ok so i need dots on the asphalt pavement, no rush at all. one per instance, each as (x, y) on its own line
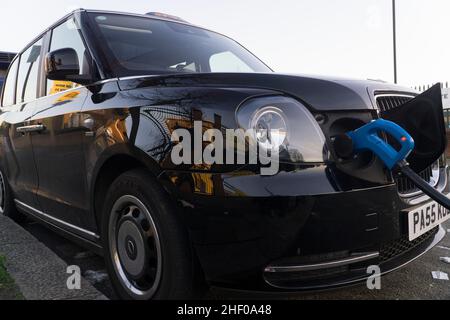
(37, 272)
(414, 281)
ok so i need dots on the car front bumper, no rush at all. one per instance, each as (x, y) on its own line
(294, 231)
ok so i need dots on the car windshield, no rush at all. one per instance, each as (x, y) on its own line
(138, 45)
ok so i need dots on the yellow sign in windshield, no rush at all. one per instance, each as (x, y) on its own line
(60, 86)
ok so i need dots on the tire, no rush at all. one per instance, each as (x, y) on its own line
(147, 249)
(7, 205)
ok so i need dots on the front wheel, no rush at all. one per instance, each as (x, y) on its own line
(147, 249)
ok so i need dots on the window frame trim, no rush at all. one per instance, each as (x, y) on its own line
(16, 58)
(38, 80)
(42, 75)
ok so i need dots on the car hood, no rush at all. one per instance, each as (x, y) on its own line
(320, 93)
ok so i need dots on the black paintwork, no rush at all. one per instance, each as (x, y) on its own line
(239, 221)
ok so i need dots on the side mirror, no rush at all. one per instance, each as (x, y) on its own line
(63, 65)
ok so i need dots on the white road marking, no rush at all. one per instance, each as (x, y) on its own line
(438, 275)
(445, 259)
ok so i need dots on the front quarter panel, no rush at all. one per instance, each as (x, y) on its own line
(139, 122)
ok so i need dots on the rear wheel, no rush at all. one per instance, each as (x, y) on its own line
(7, 205)
(147, 249)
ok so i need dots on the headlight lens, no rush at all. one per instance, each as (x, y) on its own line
(284, 125)
(270, 127)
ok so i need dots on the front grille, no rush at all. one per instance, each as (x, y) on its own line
(403, 245)
(404, 184)
(386, 103)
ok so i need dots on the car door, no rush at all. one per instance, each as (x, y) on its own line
(58, 150)
(18, 105)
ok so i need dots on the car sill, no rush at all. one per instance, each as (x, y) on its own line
(57, 222)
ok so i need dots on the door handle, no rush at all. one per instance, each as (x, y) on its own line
(34, 128)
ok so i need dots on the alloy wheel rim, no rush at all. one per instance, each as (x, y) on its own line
(135, 247)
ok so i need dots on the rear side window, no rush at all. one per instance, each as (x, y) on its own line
(27, 80)
(10, 85)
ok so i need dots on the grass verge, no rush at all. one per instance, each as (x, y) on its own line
(8, 289)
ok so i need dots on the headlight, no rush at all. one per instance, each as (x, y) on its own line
(281, 124)
(270, 127)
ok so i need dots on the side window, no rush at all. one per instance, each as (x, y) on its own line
(227, 62)
(27, 79)
(10, 85)
(64, 36)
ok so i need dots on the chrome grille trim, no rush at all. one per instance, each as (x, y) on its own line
(407, 189)
(386, 102)
(324, 265)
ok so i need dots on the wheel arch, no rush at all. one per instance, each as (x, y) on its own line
(111, 164)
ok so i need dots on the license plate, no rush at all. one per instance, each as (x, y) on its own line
(426, 218)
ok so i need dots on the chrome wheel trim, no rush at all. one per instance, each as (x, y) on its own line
(122, 222)
(2, 193)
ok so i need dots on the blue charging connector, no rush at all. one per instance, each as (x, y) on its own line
(368, 138)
